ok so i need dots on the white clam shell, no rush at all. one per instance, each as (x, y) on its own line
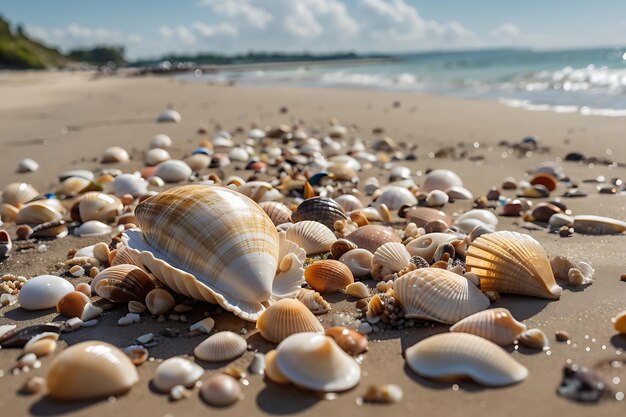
(92, 228)
(395, 197)
(257, 134)
(124, 184)
(456, 355)
(221, 346)
(238, 154)
(173, 171)
(441, 179)
(436, 198)
(349, 202)
(359, 261)
(160, 141)
(459, 193)
(426, 245)
(18, 193)
(73, 185)
(392, 255)
(312, 236)
(169, 116)
(37, 212)
(115, 154)
(475, 217)
(155, 156)
(598, 225)
(496, 324)
(27, 165)
(176, 371)
(43, 291)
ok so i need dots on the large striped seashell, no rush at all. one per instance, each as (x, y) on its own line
(212, 243)
(426, 245)
(222, 346)
(359, 261)
(497, 325)
(349, 202)
(18, 193)
(98, 206)
(371, 237)
(312, 236)
(313, 301)
(90, 370)
(454, 356)
(122, 284)
(278, 212)
(439, 295)
(424, 215)
(328, 276)
(43, 291)
(287, 317)
(315, 361)
(392, 255)
(395, 197)
(320, 209)
(511, 262)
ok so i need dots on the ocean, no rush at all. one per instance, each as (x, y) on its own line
(589, 81)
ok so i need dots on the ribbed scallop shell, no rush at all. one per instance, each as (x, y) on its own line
(511, 262)
(454, 356)
(43, 291)
(122, 283)
(90, 370)
(99, 206)
(320, 209)
(438, 295)
(392, 255)
(315, 361)
(124, 255)
(312, 236)
(221, 346)
(349, 202)
(426, 245)
(313, 301)
(18, 193)
(37, 212)
(371, 237)
(497, 325)
(328, 276)
(359, 261)
(286, 317)
(395, 197)
(278, 212)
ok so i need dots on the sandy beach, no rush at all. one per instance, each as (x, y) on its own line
(66, 120)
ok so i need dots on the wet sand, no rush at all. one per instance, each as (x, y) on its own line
(65, 121)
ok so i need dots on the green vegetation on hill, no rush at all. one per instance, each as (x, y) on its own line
(100, 55)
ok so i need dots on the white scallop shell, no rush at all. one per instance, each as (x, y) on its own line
(173, 171)
(115, 154)
(392, 255)
(155, 156)
(176, 371)
(124, 184)
(18, 193)
(169, 116)
(452, 356)
(221, 346)
(358, 261)
(395, 197)
(43, 291)
(495, 324)
(426, 245)
(312, 236)
(92, 228)
(160, 141)
(27, 165)
(441, 179)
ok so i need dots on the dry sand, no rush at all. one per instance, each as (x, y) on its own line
(65, 121)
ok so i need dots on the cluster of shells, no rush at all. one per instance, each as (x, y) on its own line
(270, 247)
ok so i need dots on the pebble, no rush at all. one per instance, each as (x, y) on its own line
(582, 385)
(179, 392)
(365, 328)
(73, 324)
(42, 248)
(125, 321)
(33, 385)
(146, 338)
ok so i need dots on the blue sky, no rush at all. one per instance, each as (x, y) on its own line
(152, 27)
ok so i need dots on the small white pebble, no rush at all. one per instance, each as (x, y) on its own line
(73, 323)
(125, 321)
(28, 360)
(42, 248)
(145, 338)
(134, 317)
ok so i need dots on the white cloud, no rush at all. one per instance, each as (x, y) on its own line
(77, 36)
(506, 31)
(254, 15)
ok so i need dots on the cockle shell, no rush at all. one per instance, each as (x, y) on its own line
(511, 262)
(439, 295)
(441, 179)
(598, 225)
(173, 171)
(328, 276)
(18, 193)
(43, 291)
(160, 141)
(286, 317)
(115, 154)
(453, 356)
(357, 290)
(278, 212)
(37, 212)
(424, 215)
(497, 325)
(426, 245)
(122, 283)
(392, 255)
(319, 209)
(159, 301)
(395, 197)
(124, 255)
(176, 371)
(221, 346)
(315, 361)
(90, 370)
(99, 206)
(156, 156)
(359, 261)
(212, 243)
(313, 301)
(349, 202)
(312, 236)
(92, 228)
(371, 237)
(169, 116)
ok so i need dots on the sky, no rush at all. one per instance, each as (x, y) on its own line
(150, 28)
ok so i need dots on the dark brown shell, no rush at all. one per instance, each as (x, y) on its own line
(320, 209)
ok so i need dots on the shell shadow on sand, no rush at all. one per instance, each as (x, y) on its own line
(46, 406)
(466, 385)
(272, 399)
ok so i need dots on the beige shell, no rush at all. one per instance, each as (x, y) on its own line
(115, 154)
(99, 206)
(37, 213)
(340, 247)
(313, 301)
(395, 197)
(620, 323)
(454, 356)
(221, 390)
(438, 295)
(176, 371)
(173, 170)
(198, 161)
(271, 369)
(359, 261)
(278, 212)
(221, 346)
(534, 338)
(392, 255)
(357, 290)
(18, 193)
(72, 304)
(349, 202)
(124, 255)
(350, 341)
(159, 301)
(511, 262)
(122, 283)
(426, 245)
(375, 307)
(328, 276)
(312, 236)
(73, 185)
(90, 370)
(8, 213)
(497, 325)
(371, 237)
(315, 361)
(286, 317)
(155, 156)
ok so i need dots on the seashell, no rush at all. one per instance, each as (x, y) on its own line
(340, 247)
(198, 162)
(371, 237)
(371, 185)
(124, 255)
(160, 141)
(124, 283)
(37, 213)
(169, 116)
(392, 255)
(534, 338)
(8, 213)
(598, 225)
(436, 198)
(314, 361)
(203, 326)
(581, 274)
(357, 290)
(82, 173)
(18, 193)
(43, 291)
(426, 245)
(173, 171)
(259, 191)
(278, 212)
(424, 215)
(101, 252)
(558, 220)
(545, 179)
(271, 369)
(313, 301)
(350, 341)
(395, 197)
(221, 390)
(92, 228)
(159, 301)
(40, 347)
(312, 236)
(284, 318)
(450, 356)
(399, 172)
(438, 295)
(472, 218)
(73, 186)
(543, 211)
(511, 262)
(479, 230)
(136, 307)
(238, 154)
(359, 262)
(328, 276)
(233, 258)
(115, 154)
(383, 394)
(127, 184)
(342, 172)
(90, 370)
(10, 337)
(98, 206)
(497, 325)
(5, 244)
(176, 371)
(620, 322)
(459, 193)
(156, 156)
(137, 354)
(319, 209)
(221, 346)
(535, 191)
(441, 179)
(27, 165)
(72, 304)
(349, 202)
